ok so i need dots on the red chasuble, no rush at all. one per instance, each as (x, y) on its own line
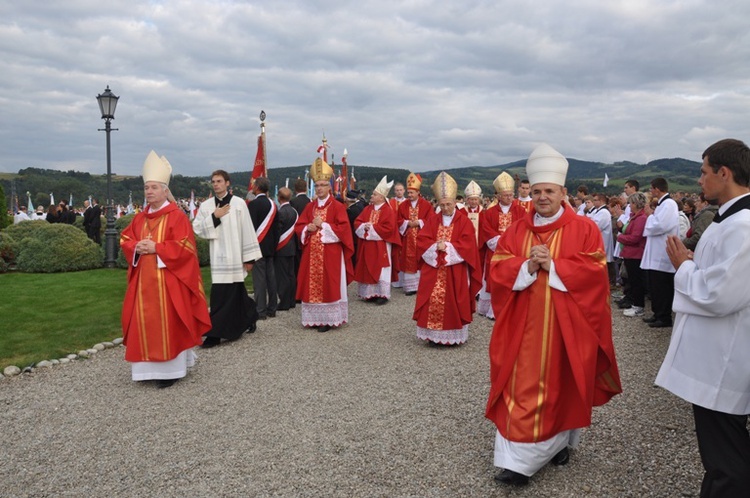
(319, 278)
(445, 299)
(423, 211)
(165, 310)
(372, 255)
(551, 352)
(492, 223)
(396, 249)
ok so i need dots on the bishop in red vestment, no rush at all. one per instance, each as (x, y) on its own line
(450, 271)
(376, 229)
(326, 266)
(493, 224)
(551, 352)
(164, 314)
(411, 218)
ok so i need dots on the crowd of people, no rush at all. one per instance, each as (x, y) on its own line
(540, 263)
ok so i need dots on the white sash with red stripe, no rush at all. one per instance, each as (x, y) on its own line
(287, 236)
(265, 226)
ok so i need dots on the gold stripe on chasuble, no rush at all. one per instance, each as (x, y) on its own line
(553, 243)
(317, 259)
(510, 400)
(161, 228)
(436, 308)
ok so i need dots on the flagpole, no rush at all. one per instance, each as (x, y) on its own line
(263, 135)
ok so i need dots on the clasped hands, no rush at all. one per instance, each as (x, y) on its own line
(539, 258)
(145, 246)
(315, 225)
(677, 251)
(441, 245)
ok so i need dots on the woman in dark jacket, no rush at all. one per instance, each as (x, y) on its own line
(52, 215)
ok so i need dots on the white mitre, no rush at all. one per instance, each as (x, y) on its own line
(156, 169)
(473, 190)
(384, 187)
(546, 165)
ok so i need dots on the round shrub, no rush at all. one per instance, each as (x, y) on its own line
(204, 252)
(58, 248)
(8, 248)
(11, 237)
(121, 223)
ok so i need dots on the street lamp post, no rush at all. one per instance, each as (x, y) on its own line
(107, 104)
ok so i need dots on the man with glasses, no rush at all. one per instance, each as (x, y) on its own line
(326, 266)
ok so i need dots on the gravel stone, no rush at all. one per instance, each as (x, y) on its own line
(11, 370)
(363, 410)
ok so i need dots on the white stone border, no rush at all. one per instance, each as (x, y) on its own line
(13, 370)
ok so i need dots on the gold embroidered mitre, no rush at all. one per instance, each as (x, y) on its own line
(503, 183)
(445, 187)
(320, 170)
(414, 182)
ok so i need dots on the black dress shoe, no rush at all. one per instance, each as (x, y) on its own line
(562, 457)
(650, 319)
(164, 383)
(512, 478)
(624, 304)
(657, 324)
(251, 329)
(210, 342)
(271, 314)
(381, 301)
(410, 293)
(262, 317)
(324, 328)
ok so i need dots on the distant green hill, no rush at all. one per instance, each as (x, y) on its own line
(681, 174)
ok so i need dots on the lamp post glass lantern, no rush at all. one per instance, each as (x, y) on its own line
(107, 104)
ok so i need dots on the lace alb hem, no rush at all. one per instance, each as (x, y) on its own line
(381, 289)
(333, 314)
(455, 336)
(411, 282)
(484, 308)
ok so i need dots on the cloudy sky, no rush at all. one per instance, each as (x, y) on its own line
(418, 84)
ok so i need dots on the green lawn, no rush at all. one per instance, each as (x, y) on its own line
(45, 316)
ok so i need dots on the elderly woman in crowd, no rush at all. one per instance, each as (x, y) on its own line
(704, 215)
(633, 243)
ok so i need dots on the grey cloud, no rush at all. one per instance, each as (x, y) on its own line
(420, 84)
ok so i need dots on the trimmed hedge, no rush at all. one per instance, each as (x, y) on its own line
(57, 248)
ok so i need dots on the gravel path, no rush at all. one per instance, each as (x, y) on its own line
(366, 410)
